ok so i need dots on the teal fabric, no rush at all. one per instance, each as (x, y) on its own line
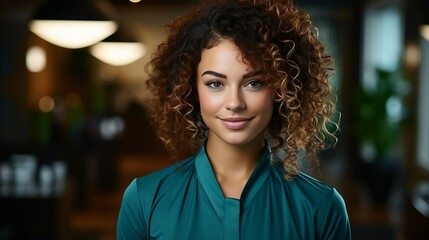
(185, 201)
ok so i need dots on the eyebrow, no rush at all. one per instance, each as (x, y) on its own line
(216, 74)
(252, 74)
(220, 75)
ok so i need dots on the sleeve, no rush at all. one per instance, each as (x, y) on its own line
(335, 223)
(131, 223)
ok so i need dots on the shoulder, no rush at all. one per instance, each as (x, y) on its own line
(138, 198)
(305, 186)
(310, 193)
(143, 190)
(165, 177)
(329, 207)
(317, 192)
(312, 186)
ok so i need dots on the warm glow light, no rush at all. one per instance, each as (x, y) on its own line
(135, 1)
(424, 31)
(46, 104)
(118, 53)
(412, 55)
(35, 59)
(73, 34)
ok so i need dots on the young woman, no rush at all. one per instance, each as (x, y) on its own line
(236, 85)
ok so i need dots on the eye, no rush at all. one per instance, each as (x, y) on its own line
(255, 84)
(214, 84)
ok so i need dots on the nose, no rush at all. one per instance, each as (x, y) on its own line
(235, 101)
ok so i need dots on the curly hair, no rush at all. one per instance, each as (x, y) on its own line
(274, 36)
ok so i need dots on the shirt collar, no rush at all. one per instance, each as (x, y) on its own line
(208, 181)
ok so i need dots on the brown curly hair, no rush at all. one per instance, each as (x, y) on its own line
(274, 36)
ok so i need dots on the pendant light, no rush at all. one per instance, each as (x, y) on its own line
(119, 49)
(73, 23)
(424, 31)
(424, 26)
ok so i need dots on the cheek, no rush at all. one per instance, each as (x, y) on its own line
(263, 103)
(209, 102)
(209, 105)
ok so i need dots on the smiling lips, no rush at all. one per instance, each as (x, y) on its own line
(235, 123)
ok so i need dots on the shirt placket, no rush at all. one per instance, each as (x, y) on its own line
(232, 219)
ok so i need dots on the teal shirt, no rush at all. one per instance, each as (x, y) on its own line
(184, 201)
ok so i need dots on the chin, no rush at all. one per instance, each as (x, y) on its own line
(239, 142)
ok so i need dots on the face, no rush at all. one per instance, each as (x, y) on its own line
(235, 99)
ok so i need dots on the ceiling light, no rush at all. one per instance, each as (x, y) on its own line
(73, 24)
(424, 31)
(424, 20)
(119, 49)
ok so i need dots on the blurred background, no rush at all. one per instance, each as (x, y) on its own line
(74, 132)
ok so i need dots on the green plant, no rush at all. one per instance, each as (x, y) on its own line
(379, 114)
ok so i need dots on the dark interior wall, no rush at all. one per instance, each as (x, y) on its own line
(13, 123)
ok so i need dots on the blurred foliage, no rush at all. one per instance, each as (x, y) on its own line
(380, 114)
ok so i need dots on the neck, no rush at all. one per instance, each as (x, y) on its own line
(234, 161)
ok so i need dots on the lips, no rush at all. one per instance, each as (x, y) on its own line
(235, 123)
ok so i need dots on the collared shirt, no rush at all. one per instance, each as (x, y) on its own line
(185, 202)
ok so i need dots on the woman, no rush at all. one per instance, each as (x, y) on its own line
(236, 85)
